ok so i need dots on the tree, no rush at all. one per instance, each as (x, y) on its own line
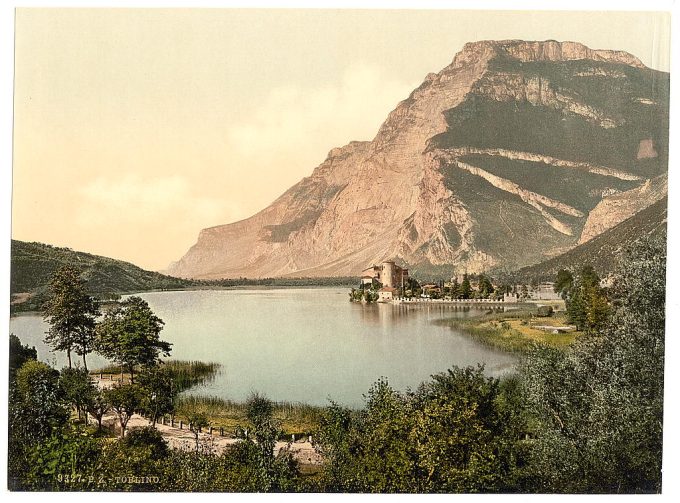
(40, 398)
(273, 473)
(78, 388)
(455, 289)
(125, 400)
(197, 421)
(97, 406)
(36, 411)
(524, 292)
(563, 283)
(159, 393)
(129, 335)
(458, 432)
(71, 314)
(485, 287)
(464, 432)
(598, 407)
(465, 288)
(149, 439)
(587, 305)
(19, 354)
(260, 413)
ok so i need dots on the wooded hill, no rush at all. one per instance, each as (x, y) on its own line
(34, 263)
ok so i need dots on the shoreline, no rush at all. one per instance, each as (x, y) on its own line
(21, 312)
(512, 331)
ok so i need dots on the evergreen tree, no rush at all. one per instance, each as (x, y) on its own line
(455, 289)
(465, 288)
(587, 305)
(485, 287)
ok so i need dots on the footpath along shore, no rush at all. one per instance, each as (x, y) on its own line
(303, 451)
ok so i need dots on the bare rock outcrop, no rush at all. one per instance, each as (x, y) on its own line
(614, 209)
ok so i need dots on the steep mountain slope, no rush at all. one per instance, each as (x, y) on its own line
(619, 207)
(34, 263)
(604, 250)
(496, 161)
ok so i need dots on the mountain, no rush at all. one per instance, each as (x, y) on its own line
(604, 250)
(33, 264)
(496, 161)
(619, 207)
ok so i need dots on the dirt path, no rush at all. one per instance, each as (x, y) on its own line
(303, 451)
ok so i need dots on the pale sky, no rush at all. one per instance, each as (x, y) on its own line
(135, 129)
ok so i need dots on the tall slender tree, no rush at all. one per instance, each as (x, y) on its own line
(71, 314)
(465, 288)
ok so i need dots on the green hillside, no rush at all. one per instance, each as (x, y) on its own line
(34, 263)
(603, 251)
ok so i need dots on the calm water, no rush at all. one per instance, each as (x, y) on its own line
(305, 345)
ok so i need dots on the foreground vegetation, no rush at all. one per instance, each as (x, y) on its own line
(297, 419)
(586, 418)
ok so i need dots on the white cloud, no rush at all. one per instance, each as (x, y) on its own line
(131, 198)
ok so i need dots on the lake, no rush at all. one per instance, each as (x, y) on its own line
(300, 344)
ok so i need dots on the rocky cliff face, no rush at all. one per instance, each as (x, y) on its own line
(616, 208)
(495, 161)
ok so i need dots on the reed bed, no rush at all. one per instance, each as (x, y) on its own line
(184, 373)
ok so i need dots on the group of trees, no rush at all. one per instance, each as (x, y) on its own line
(127, 334)
(363, 295)
(464, 289)
(455, 433)
(599, 406)
(42, 397)
(48, 452)
(588, 306)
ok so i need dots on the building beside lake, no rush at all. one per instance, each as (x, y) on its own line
(387, 293)
(388, 275)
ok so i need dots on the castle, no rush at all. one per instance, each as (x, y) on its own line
(388, 274)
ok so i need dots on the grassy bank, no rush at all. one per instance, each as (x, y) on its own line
(513, 331)
(295, 418)
(184, 373)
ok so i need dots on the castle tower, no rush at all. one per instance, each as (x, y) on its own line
(388, 274)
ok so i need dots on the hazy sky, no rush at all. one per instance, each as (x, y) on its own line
(134, 129)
